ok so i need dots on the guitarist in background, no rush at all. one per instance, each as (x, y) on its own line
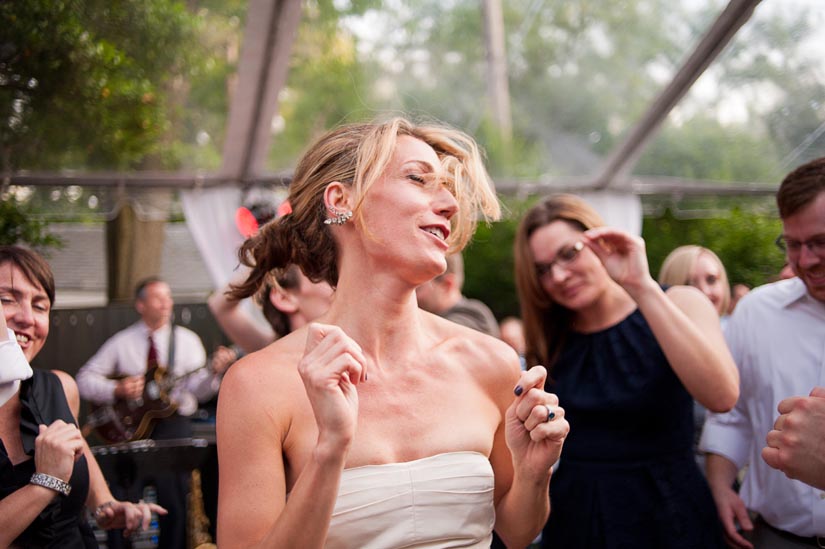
(118, 372)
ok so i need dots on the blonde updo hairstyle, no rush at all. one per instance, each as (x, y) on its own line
(679, 263)
(546, 324)
(358, 155)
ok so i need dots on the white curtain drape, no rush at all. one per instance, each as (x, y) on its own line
(210, 216)
(619, 209)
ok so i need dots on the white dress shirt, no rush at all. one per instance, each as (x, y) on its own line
(125, 354)
(777, 338)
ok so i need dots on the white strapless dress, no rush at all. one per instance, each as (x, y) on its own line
(444, 500)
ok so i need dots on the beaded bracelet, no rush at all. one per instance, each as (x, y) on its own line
(50, 482)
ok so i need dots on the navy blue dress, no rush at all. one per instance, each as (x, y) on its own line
(627, 477)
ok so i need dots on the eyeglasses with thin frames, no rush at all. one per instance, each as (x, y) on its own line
(563, 258)
(792, 247)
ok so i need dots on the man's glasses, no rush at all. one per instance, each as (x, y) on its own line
(564, 258)
(792, 247)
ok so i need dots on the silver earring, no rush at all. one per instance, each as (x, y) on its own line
(340, 218)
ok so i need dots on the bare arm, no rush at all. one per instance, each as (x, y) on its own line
(19, 509)
(98, 489)
(688, 330)
(111, 512)
(721, 473)
(524, 451)
(57, 447)
(256, 409)
(237, 324)
(523, 509)
(683, 321)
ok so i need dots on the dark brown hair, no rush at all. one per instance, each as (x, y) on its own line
(801, 187)
(34, 267)
(288, 279)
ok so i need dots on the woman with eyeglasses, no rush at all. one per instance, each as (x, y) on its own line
(626, 358)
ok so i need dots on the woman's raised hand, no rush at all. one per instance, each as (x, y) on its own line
(332, 366)
(56, 449)
(622, 254)
(535, 428)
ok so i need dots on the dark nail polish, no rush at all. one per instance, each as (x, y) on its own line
(518, 390)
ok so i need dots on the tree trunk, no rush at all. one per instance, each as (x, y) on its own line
(498, 89)
(133, 252)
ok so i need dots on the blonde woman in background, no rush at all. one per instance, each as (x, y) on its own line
(701, 268)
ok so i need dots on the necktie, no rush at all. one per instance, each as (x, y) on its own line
(152, 356)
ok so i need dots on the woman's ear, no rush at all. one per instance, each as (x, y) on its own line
(337, 197)
(283, 300)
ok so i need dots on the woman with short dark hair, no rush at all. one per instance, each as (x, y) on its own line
(48, 475)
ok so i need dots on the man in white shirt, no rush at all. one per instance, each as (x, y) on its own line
(777, 337)
(118, 369)
(117, 372)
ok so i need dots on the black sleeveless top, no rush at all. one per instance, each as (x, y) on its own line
(61, 523)
(627, 477)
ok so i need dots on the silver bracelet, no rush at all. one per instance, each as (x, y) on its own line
(52, 483)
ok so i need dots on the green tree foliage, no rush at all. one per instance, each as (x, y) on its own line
(18, 226)
(327, 83)
(323, 65)
(82, 81)
(726, 153)
(132, 84)
(488, 261)
(488, 268)
(774, 58)
(208, 79)
(744, 241)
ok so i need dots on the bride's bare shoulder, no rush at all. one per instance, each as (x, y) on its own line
(266, 373)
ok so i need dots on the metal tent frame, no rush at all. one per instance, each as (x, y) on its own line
(268, 38)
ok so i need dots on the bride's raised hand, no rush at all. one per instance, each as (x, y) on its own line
(622, 254)
(535, 427)
(332, 366)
